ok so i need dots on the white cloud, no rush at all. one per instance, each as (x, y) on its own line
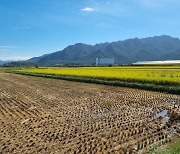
(8, 47)
(88, 9)
(21, 27)
(15, 58)
(111, 7)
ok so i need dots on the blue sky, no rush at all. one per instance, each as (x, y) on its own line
(34, 27)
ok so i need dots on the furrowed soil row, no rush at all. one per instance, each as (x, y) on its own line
(16, 107)
(39, 115)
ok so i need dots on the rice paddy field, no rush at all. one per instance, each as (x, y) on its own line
(1, 69)
(156, 78)
(40, 113)
(142, 73)
(48, 116)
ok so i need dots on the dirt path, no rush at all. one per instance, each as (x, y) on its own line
(39, 115)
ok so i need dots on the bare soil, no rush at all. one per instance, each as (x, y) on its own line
(39, 115)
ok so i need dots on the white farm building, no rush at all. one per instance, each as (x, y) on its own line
(104, 61)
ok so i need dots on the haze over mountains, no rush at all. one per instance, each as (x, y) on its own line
(1, 62)
(4, 62)
(124, 52)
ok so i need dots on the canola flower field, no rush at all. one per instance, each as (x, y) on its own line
(154, 78)
(167, 74)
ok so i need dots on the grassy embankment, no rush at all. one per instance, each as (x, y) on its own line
(157, 78)
(170, 148)
(2, 69)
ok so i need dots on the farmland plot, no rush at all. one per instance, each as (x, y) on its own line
(39, 115)
(157, 74)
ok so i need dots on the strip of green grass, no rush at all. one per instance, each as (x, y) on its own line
(170, 148)
(169, 88)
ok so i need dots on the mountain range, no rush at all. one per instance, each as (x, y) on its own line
(124, 52)
(4, 62)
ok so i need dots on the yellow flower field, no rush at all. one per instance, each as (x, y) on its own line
(147, 73)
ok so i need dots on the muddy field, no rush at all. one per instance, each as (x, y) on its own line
(39, 115)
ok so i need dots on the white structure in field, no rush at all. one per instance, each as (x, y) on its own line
(104, 61)
(166, 62)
